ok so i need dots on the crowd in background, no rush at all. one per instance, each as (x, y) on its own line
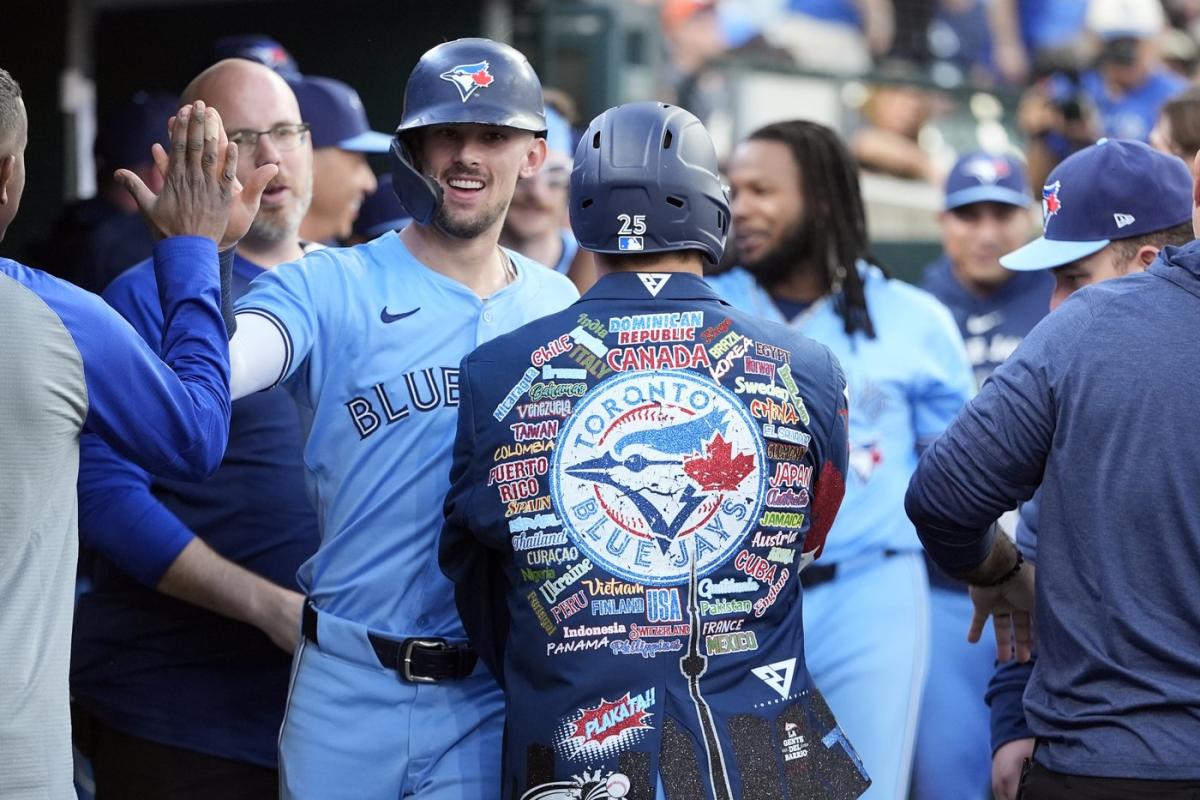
(1076, 71)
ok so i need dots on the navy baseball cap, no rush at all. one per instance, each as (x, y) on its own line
(381, 211)
(125, 135)
(1115, 189)
(985, 178)
(336, 116)
(256, 47)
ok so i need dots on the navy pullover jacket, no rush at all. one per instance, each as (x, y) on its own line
(1096, 406)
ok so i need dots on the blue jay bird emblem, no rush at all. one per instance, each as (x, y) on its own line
(469, 78)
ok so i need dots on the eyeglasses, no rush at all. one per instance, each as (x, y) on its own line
(284, 137)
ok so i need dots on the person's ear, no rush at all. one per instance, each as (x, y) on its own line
(534, 158)
(8, 165)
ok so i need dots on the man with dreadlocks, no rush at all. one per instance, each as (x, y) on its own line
(801, 237)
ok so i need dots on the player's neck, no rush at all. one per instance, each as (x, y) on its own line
(804, 284)
(477, 263)
(268, 256)
(544, 248)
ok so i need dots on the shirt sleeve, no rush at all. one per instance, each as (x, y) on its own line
(119, 516)
(290, 298)
(1006, 698)
(476, 570)
(172, 418)
(945, 382)
(829, 487)
(994, 454)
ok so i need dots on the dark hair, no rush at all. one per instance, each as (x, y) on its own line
(1183, 112)
(10, 105)
(1125, 249)
(834, 229)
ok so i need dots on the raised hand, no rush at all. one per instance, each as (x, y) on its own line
(201, 195)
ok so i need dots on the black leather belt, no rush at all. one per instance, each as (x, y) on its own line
(816, 574)
(417, 660)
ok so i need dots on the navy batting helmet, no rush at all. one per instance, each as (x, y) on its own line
(468, 80)
(645, 180)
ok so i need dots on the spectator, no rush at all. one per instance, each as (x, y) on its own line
(1129, 83)
(805, 261)
(341, 138)
(838, 36)
(180, 657)
(1177, 131)
(894, 114)
(95, 239)
(986, 215)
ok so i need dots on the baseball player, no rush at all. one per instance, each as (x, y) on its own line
(866, 612)
(637, 482)
(71, 364)
(1122, 183)
(386, 698)
(1094, 410)
(986, 215)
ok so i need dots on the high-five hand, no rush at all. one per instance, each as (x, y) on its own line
(201, 194)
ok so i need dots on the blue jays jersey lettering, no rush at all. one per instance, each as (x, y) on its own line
(375, 338)
(633, 495)
(906, 386)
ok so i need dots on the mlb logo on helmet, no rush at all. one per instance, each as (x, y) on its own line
(1050, 202)
(469, 78)
(632, 243)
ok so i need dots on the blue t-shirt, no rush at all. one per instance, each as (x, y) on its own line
(375, 339)
(991, 326)
(906, 385)
(1047, 24)
(1133, 114)
(843, 11)
(158, 668)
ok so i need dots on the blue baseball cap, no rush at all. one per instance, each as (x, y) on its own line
(985, 178)
(336, 116)
(126, 134)
(256, 47)
(381, 211)
(1115, 189)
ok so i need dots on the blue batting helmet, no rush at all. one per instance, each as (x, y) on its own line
(465, 81)
(645, 180)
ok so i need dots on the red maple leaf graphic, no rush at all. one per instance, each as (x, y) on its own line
(1052, 204)
(482, 77)
(609, 719)
(718, 469)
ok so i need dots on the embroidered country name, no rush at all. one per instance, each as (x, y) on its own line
(514, 470)
(676, 356)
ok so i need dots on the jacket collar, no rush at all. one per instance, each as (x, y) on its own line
(652, 286)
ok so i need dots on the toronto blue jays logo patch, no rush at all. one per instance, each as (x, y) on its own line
(986, 169)
(1050, 202)
(469, 78)
(655, 469)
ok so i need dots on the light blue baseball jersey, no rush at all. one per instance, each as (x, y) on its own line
(374, 340)
(906, 386)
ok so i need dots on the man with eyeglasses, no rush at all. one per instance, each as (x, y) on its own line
(180, 658)
(536, 225)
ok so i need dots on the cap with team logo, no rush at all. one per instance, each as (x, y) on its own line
(985, 178)
(1115, 189)
(336, 116)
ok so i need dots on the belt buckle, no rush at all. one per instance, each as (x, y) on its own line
(406, 658)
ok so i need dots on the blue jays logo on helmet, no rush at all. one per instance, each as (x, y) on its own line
(469, 78)
(1050, 202)
(987, 170)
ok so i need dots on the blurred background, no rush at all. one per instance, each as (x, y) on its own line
(911, 84)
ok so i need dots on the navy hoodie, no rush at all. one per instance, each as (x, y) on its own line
(1097, 406)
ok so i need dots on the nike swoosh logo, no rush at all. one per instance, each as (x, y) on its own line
(389, 318)
(983, 323)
